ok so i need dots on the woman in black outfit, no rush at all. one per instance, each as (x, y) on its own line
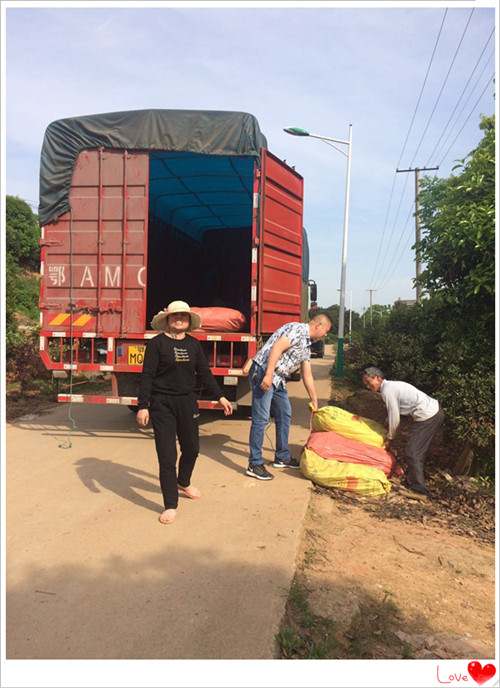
(172, 361)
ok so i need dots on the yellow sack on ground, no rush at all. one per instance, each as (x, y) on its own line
(364, 480)
(345, 423)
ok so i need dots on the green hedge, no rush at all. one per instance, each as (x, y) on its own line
(417, 344)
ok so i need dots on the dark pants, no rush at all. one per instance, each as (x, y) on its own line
(175, 416)
(421, 434)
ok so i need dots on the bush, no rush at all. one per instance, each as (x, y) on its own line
(24, 364)
(419, 345)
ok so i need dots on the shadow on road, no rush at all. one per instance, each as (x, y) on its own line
(128, 607)
(122, 480)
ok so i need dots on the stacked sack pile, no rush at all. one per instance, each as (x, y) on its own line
(347, 452)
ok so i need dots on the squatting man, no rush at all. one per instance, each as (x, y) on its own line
(403, 399)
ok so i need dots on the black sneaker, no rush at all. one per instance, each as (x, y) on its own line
(257, 470)
(292, 463)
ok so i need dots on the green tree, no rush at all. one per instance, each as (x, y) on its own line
(458, 218)
(22, 260)
(22, 233)
(11, 288)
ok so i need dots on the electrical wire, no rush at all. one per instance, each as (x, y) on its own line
(390, 274)
(462, 94)
(423, 86)
(394, 224)
(404, 147)
(405, 247)
(490, 80)
(443, 85)
(466, 102)
(430, 117)
(394, 261)
(375, 265)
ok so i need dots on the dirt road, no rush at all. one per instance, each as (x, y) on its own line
(91, 573)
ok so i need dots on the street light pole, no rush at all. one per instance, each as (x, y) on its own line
(339, 368)
(296, 131)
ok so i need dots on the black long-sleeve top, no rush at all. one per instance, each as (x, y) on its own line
(171, 366)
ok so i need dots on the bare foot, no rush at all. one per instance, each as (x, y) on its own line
(191, 491)
(167, 516)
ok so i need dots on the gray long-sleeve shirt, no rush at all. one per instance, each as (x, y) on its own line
(403, 399)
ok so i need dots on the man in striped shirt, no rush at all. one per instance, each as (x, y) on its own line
(403, 399)
(285, 350)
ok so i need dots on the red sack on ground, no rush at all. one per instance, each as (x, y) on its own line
(218, 319)
(331, 445)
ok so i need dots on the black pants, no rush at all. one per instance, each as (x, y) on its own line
(421, 434)
(175, 416)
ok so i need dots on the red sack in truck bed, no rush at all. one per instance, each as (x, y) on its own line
(331, 445)
(217, 319)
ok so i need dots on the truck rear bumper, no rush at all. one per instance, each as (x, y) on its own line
(124, 401)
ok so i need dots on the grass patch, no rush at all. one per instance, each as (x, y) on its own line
(371, 633)
(303, 634)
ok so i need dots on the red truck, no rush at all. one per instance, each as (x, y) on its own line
(141, 208)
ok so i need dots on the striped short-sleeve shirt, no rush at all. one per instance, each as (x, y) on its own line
(299, 351)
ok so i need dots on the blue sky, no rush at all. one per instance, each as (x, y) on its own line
(320, 69)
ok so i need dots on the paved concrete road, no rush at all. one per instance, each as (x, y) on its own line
(92, 574)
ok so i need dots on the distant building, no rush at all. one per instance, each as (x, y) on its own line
(405, 302)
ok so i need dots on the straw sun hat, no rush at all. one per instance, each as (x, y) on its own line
(159, 322)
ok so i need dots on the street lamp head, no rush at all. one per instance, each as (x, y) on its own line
(296, 131)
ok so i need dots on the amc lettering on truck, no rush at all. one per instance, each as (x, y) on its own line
(141, 208)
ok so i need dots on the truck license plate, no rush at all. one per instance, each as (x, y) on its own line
(136, 355)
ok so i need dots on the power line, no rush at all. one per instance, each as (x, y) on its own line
(466, 102)
(375, 265)
(404, 145)
(382, 264)
(434, 108)
(490, 80)
(423, 86)
(406, 246)
(394, 264)
(443, 85)
(388, 274)
(462, 94)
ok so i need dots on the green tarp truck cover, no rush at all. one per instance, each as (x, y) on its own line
(196, 131)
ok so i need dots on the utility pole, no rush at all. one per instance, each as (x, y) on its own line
(371, 312)
(417, 170)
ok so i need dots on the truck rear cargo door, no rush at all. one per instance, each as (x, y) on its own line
(280, 254)
(94, 256)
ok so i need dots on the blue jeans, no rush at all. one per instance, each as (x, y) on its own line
(276, 402)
